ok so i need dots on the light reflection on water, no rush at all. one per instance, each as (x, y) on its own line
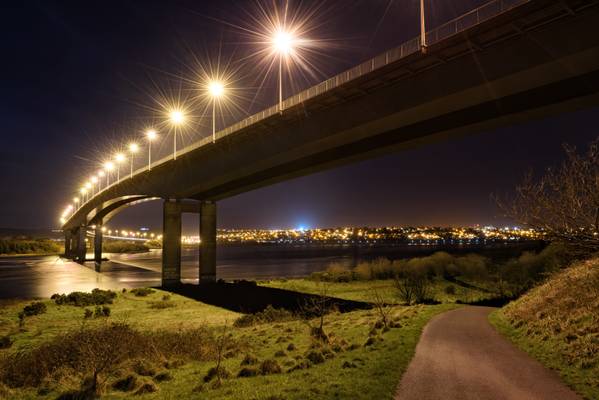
(32, 277)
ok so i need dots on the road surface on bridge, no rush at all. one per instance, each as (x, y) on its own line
(461, 356)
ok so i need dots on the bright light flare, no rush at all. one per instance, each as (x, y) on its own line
(216, 89)
(283, 42)
(119, 157)
(94, 179)
(76, 200)
(109, 166)
(177, 117)
(101, 173)
(151, 134)
(133, 148)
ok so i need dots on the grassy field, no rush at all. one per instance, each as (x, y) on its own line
(364, 290)
(558, 324)
(361, 360)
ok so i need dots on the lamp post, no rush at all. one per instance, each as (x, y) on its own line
(108, 167)
(76, 201)
(216, 89)
(101, 175)
(422, 27)
(119, 158)
(176, 118)
(151, 135)
(283, 43)
(94, 181)
(133, 148)
(83, 191)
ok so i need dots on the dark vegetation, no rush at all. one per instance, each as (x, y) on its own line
(29, 246)
(84, 299)
(92, 354)
(124, 246)
(414, 277)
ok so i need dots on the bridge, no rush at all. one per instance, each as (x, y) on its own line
(504, 63)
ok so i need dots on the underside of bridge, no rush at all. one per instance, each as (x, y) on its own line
(537, 59)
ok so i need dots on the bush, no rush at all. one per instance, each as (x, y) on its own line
(142, 292)
(126, 384)
(34, 308)
(450, 289)
(247, 372)
(97, 297)
(29, 246)
(5, 342)
(249, 359)
(269, 314)
(101, 350)
(315, 357)
(270, 367)
(413, 286)
(220, 372)
(103, 311)
(124, 246)
(87, 314)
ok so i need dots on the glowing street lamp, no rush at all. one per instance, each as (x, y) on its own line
(151, 135)
(94, 181)
(108, 167)
(101, 175)
(119, 158)
(133, 149)
(216, 89)
(422, 27)
(83, 191)
(283, 43)
(176, 117)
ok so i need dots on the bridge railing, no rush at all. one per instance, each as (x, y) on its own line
(466, 21)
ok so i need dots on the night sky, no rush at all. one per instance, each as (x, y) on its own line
(78, 77)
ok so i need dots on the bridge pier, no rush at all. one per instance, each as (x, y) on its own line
(171, 243)
(81, 248)
(68, 238)
(98, 238)
(207, 242)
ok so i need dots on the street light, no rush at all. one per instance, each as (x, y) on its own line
(108, 166)
(101, 175)
(133, 148)
(94, 180)
(151, 135)
(422, 27)
(283, 43)
(83, 191)
(119, 158)
(176, 117)
(216, 89)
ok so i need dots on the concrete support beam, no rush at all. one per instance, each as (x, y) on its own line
(98, 244)
(171, 243)
(81, 250)
(207, 242)
(68, 243)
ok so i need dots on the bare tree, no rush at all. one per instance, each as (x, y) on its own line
(381, 307)
(314, 310)
(564, 202)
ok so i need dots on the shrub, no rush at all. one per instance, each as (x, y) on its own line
(269, 314)
(315, 357)
(88, 313)
(83, 299)
(270, 367)
(34, 308)
(163, 376)
(124, 246)
(147, 387)
(450, 289)
(161, 305)
(126, 384)
(247, 372)
(412, 285)
(5, 342)
(280, 353)
(217, 372)
(142, 292)
(103, 311)
(249, 359)
(28, 246)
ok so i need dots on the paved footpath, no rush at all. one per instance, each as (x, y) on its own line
(460, 356)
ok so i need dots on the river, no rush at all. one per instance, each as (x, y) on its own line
(42, 276)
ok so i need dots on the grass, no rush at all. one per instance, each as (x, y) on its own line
(558, 324)
(363, 290)
(351, 368)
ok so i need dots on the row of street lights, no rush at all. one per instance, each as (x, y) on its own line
(282, 44)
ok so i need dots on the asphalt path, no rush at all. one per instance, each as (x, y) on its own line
(460, 356)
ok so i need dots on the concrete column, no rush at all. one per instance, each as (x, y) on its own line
(98, 244)
(171, 243)
(207, 242)
(67, 243)
(81, 250)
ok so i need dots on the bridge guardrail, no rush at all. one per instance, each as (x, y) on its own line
(472, 18)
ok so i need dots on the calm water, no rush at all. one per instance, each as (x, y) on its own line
(43, 276)
(29, 277)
